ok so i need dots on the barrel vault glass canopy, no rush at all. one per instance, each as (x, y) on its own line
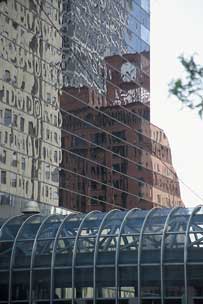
(130, 257)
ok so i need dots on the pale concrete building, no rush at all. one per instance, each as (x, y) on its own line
(30, 120)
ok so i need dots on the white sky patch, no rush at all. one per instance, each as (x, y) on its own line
(176, 28)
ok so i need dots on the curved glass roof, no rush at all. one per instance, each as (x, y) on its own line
(116, 257)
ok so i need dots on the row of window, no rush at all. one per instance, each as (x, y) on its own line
(31, 21)
(11, 119)
(15, 181)
(15, 140)
(14, 161)
(12, 178)
(29, 105)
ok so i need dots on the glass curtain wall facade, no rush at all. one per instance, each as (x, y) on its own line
(95, 29)
(148, 257)
(112, 154)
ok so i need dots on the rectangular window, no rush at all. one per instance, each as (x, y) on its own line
(47, 134)
(99, 138)
(1, 115)
(55, 175)
(55, 156)
(140, 137)
(48, 97)
(56, 138)
(119, 134)
(145, 5)
(22, 124)
(55, 195)
(11, 138)
(14, 160)
(31, 129)
(23, 163)
(13, 180)
(2, 156)
(94, 200)
(7, 117)
(3, 177)
(15, 120)
(55, 120)
(145, 34)
(7, 75)
(79, 141)
(116, 184)
(139, 167)
(6, 137)
(93, 185)
(46, 191)
(120, 150)
(47, 171)
(116, 167)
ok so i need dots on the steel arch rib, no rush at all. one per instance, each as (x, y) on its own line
(75, 249)
(195, 210)
(96, 250)
(8, 221)
(162, 251)
(118, 250)
(34, 251)
(13, 255)
(54, 254)
(139, 253)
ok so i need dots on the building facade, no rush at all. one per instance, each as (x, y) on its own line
(95, 29)
(114, 154)
(30, 119)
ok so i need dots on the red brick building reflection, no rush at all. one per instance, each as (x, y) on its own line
(112, 157)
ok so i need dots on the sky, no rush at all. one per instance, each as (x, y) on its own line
(176, 28)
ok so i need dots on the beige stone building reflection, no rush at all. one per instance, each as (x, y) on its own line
(30, 136)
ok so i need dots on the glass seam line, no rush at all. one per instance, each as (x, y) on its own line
(70, 152)
(95, 162)
(108, 81)
(194, 211)
(75, 251)
(97, 181)
(34, 247)
(95, 126)
(118, 252)
(162, 251)
(91, 179)
(13, 255)
(61, 70)
(123, 9)
(53, 256)
(62, 35)
(76, 42)
(140, 252)
(97, 248)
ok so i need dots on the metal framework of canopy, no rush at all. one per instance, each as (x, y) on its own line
(137, 256)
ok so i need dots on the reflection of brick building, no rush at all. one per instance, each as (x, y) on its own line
(125, 165)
